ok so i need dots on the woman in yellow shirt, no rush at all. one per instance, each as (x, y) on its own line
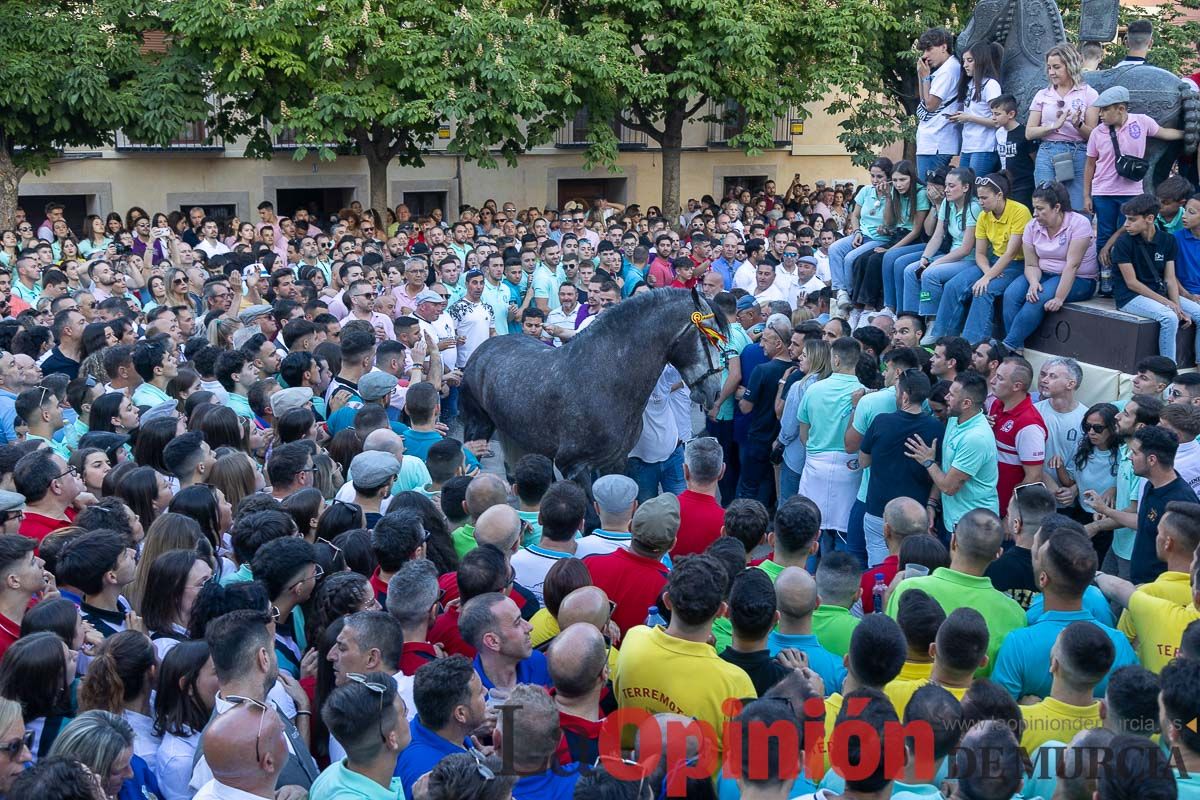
(999, 260)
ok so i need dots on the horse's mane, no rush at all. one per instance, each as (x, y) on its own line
(621, 316)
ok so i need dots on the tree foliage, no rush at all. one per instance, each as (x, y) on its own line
(385, 75)
(884, 111)
(72, 73)
(766, 57)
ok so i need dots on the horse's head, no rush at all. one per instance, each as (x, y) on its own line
(698, 352)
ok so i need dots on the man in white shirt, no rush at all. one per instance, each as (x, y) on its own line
(824, 242)
(474, 322)
(938, 76)
(209, 244)
(657, 458)
(806, 281)
(767, 288)
(565, 317)
(1058, 380)
(430, 310)
(1184, 422)
(745, 276)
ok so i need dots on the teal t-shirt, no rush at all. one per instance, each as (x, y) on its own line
(870, 407)
(870, 212)
(957, 222)
(737, 342)
(545, 285)
(906, 217)
(496, 298)
(827, 404)
(970, 448)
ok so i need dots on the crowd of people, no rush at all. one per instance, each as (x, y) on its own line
(246, 551)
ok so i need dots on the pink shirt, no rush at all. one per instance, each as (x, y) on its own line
(1047, 101)
(1052, 250)
(1132, 138)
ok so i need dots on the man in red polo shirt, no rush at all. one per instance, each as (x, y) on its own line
(22, 577)
(902, 517)
(1019, 428)
(414, 604)
(700, 515)
(634, 578)
(51, 488)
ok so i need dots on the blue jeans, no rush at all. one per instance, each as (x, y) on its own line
(934, 280)
(982, 163)
(450, 406)
(928, 163)
(757, 480)
(856, 542)
(1043, 169)
(893, 275)
(1109, 218)
(668, 473)
(958, 298)
(841, 259)
(789, 483)
(1022, 318)
(906, 270)
(1168, 323)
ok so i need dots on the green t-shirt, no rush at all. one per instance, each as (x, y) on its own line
(772, 569)
(953, 589)
(535, 528)
(833, 626)
(824, 409)
(722, 631)
(464, 539)
(970, 448)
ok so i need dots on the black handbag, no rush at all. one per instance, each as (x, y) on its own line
(1129, 167)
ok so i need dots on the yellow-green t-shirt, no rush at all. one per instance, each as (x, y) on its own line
(1173, 586)
(999, 230)
(901, 691)
(1055, 720)
(1159, 623)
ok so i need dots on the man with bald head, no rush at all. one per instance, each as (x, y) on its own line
(483, 492)
(902, 517)
(590, 605)
(246, 750)
(500, 526)
(796, 598)
(578, 663)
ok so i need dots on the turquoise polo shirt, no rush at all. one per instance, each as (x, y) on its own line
(1021, 663)
(340, 783)
(240, 405)
(496, 298)
(870, 407)
(58, 448)
(147, 394)
(822, 662)
(970, 447)
(1093, 602)
(545, 285)
(827, 403)
(738, 341)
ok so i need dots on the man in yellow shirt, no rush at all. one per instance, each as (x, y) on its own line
(1082, 656)
(1159, 622)
(1178, 536)
(676, 670)
(958, 651)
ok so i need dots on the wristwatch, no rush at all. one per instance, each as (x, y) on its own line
(927, 463)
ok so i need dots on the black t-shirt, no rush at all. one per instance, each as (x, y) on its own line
(1149, 260)
(1144, 565)
(893, 473)
(763, 670)
(57, 362)
(1017, 154)
(764, 382)
(1012, 573)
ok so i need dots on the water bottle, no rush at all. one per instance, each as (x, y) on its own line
(877, 593)
(654, 619)
(1106, 283)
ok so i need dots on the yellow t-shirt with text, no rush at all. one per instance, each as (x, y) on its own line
(1159, 623)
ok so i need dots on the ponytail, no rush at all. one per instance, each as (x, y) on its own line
(118, 673)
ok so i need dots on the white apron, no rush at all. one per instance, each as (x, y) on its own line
(831, 480)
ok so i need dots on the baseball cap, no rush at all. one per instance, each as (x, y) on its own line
(746, 302)
(615, 493)
(656, 522)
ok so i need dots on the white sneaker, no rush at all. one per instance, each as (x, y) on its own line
(843, 298)
(855, 317)
(838, 312)
(928, 339)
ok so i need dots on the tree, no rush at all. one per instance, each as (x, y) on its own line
(766, 58)
(884, 110)
(72, 73)
(385, 75)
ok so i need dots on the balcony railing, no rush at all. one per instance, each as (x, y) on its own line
(576, 133)
(730, 121)
(286, 139)
(194, 137)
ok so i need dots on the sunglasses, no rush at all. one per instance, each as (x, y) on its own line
(238, 700)
(1094, 428)
(13, 749)
(374, 688)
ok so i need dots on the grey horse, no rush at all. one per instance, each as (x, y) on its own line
(581, 404)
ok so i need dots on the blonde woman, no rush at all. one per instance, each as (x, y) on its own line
(1062, 117)
(814, 362)
(12, 739)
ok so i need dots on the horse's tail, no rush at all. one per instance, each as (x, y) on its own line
(1190, 118)
(477, 424)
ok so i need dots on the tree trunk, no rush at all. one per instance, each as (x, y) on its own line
(377, 179)
(10, 184)
(672, 151)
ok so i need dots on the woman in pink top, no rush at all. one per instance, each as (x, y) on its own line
(1062, 116)
(1104, 191)
(1060, 264)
